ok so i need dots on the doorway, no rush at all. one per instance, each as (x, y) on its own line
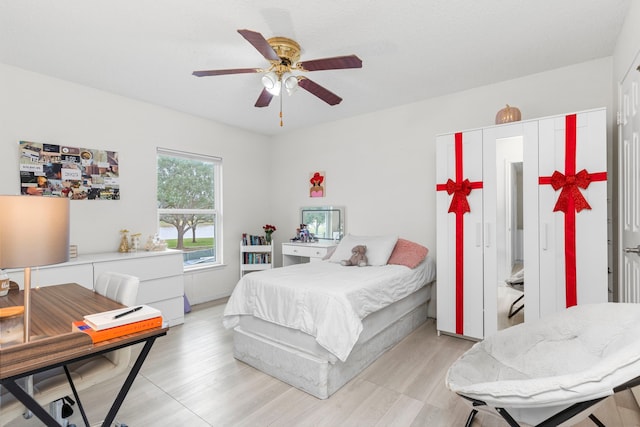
(629, 177)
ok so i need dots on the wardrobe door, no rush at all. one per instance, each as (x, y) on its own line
(504, 213)
(459, 234)
(572, 210)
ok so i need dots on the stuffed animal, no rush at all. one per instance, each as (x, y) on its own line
(358, 257)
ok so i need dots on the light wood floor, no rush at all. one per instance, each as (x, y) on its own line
(191, 379)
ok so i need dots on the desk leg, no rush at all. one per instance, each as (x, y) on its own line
(128, 382)
(76, 396)
(30, 403)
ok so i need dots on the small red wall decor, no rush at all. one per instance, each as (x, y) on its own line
(317, 184)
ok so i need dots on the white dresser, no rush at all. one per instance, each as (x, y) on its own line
(160, 274)
(298, 253)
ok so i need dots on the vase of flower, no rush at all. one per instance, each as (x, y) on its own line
(268, 231)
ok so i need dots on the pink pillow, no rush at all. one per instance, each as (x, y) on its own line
(408, 253)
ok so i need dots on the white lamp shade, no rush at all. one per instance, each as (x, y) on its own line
(269, 80)
(291, 84)
(34, 231)
(275, 91)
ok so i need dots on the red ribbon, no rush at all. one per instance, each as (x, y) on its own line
(570, 186)
(571, 201)
(460, 189)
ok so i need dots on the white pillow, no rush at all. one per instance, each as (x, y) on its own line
(379, 248)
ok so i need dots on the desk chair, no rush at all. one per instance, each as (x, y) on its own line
(51, 386)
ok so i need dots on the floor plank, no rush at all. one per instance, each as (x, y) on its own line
(192, 379)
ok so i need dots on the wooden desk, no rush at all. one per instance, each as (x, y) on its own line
(52, 343)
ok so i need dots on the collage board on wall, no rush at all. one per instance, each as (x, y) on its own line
(72, 172)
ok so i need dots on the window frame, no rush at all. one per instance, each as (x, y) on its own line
(216, 211)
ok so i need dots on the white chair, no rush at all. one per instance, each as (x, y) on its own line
(553, 370)
(51, 386)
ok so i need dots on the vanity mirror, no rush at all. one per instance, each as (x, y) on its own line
(324, 222)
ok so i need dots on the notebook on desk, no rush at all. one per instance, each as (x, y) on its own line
(121, 316)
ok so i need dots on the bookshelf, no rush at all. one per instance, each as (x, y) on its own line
(255, 254)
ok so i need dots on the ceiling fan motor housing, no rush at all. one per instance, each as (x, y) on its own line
(287, 49)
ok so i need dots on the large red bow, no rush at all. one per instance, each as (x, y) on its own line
(570, 190)
(460, 190)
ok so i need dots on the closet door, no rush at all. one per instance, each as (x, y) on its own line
(572, 210)
(504, 213)
(459, 234)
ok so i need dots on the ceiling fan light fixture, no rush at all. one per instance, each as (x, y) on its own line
(275, 91)
(271, 83)
(290, 84)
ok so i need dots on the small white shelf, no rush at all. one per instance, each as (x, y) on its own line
(255, 258)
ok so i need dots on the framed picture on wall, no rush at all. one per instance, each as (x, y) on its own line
(64, 171)
(318, 184)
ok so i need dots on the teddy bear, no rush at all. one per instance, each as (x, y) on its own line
(358, 256)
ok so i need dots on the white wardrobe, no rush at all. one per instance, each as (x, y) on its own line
(532, 194)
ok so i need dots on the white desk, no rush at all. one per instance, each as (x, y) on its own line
(298, 253)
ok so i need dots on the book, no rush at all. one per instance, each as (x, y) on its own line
(121, 316)
(118, 331)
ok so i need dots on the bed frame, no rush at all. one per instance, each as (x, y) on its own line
(295, 358)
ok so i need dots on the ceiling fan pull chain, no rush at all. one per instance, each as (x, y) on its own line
(281, 108)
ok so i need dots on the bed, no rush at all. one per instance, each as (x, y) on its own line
(317, 325)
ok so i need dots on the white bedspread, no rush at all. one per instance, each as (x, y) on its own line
(324, 299)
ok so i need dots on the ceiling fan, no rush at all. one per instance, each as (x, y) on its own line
(283, 54)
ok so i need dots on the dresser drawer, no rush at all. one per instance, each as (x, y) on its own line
(144, 268)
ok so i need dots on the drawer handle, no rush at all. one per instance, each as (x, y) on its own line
(295, 251)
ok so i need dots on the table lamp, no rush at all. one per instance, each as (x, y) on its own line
(34, 231)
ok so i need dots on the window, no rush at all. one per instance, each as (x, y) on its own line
(189, 205)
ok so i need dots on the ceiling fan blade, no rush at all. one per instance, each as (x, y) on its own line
(322, 93)
(264, 99)
(335, 63)
(229, 71)
(261, 44)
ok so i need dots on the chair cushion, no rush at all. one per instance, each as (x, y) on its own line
(579, 354)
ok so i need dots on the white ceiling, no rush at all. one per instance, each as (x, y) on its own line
(411, 49)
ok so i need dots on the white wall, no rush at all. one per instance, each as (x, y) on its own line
(381, 166)
(628, 44)
(43, 109)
